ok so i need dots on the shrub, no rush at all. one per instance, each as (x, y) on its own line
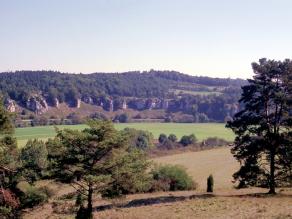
(139, 139)
(172, 137)
(162, 138)
(122, 118)
(79, 200)
(210, 183)
(214, 141)
(34, 196)
(167, 144)
(171, 177)
(188, 139)
(98, 116)
(34, 159)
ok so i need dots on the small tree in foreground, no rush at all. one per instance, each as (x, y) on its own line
(93, 160)
(210, 183)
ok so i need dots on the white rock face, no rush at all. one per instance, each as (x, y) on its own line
(111, 105)
(56, 103)
(124, 105)
(78, 103)
(165, 104)
(87, 100)
(37, 104)
(10, 105)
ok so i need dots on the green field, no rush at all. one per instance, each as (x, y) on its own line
(201, 130)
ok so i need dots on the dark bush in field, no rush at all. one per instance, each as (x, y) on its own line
(172, 178)
(122, 118)
(172, 137)
(210, 183)
(139, 139)
(214, 141)
(162, 138)
(188, 139)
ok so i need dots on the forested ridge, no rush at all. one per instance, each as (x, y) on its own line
(198, 98)
(19, 84)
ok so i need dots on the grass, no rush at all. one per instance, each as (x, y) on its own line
(200, 165)
(225, 202)
(201, 130)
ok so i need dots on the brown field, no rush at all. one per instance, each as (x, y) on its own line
(201, 164)
(225, 202)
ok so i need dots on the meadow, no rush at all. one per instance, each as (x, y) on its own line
(201, 130)
(225, 202)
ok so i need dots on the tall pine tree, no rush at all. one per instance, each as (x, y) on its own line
(263, 128)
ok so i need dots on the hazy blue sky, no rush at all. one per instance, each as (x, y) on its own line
(208, 37)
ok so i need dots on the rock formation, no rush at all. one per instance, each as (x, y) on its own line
(124, 105)
(37, 104)
(87, 99)
(10, 105)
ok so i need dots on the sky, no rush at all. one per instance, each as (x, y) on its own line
(217, 38)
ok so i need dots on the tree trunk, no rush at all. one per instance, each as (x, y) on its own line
(89, 203)
(272, 174)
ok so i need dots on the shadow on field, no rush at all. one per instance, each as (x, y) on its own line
(260, 195)
(152, 201)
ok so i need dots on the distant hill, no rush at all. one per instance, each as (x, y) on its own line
(171, 91)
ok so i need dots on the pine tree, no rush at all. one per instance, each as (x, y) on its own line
(94, 159)
(263, 127)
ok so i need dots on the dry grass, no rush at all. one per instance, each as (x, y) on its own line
(204, 206)
(226, 202)
(201, 164)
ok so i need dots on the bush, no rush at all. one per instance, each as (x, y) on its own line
(210, 183)
(98, 116)
(34, 159)
(34, 196)
(188, 139)
(172, 137)
(162, 138)
(167, 144)
(171, 177)
(214, 141)
(139, 139)
(122, 118)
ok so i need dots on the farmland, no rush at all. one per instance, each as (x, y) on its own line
(201, 130)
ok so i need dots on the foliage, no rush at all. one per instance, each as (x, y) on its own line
(98, 116)
(210, 183)
(138, 138)
(122, 118)
(188, 139)
(9, 202)
(94, 159)
(172, 137)
(99, 88)
(33, 196)
(263, 127)
(6, 125)
(172, 177)
(131, 176)
(214, 141)
(162, 138)
(34, 160)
